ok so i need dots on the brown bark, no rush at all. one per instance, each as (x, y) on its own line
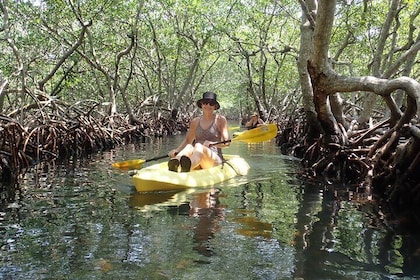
(305, 51)
(391, 157)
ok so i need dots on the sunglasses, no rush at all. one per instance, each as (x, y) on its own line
(208, 101)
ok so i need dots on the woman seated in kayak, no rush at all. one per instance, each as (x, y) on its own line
(197, 149)
(254, 122)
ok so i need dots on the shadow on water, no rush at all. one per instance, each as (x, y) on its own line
(83, 220)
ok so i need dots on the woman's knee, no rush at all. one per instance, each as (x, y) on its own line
(188, 147)
(198, 147)
(186, 151)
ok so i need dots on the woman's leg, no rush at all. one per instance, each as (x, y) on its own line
(187, 151)
(174, 163)
(203, 156)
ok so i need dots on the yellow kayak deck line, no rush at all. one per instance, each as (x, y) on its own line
(157, 177)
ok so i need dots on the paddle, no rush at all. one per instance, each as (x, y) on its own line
(135, 163)
(259, 134)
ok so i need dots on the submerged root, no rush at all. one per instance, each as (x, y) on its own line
(385, 159)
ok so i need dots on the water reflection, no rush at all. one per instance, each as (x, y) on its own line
(154, 200)
(84, 220)
(203, 206)
(206, 208)
(341, 229)
(252, 227)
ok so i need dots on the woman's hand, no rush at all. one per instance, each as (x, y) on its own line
(208, 143)
(172, 153)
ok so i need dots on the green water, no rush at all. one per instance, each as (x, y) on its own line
(83, 220)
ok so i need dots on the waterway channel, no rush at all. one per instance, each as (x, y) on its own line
(82, 219)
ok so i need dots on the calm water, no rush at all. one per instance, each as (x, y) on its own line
(83, 220)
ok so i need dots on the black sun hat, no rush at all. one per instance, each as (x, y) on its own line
(209, 96)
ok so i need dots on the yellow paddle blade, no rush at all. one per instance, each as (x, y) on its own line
(234, 128)
(129, 164)
(259, 134)
(135, 163)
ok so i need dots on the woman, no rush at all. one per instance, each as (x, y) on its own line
(204, 131)
(254, 122)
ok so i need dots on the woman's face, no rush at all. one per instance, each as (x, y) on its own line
(208, 104)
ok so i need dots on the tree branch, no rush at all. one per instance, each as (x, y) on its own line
(42, 83)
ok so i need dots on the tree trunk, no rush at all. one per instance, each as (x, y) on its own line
(326, 83)
(306, 49)
(3, 85)
(376, 64)
(320, 69)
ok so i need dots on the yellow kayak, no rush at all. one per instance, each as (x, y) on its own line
(157, 177)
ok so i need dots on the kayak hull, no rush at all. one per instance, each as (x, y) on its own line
(157, 177)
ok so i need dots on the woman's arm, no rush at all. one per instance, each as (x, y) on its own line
(224, 132)
(248, 124)
(189, 138)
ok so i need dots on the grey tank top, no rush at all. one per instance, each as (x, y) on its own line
(210, 134)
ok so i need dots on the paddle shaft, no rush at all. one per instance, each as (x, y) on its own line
(221, 142)
(165, 156)
(156, 158)
(249, 137)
